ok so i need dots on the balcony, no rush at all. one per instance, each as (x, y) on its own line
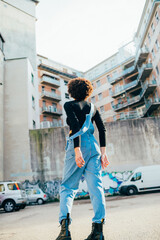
(151, 105)
(127, 115)
(51, 81)
(51, 111)
(48, 124)
(119, 76)
(124, 88)
(145, 71)
(129, 102)
(148, 87)
(50, 96)
(141, 56)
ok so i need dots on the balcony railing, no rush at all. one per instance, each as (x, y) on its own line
(48, 124)
(118, 76)
(124, 88)
(146, 85)
(141, 51)
(51, 95)
(151, 102)
(127, 86)
(51, 110)
(130, 101)
(148, 67)
(50, 81)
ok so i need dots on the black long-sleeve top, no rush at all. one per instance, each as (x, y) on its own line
(76, 115)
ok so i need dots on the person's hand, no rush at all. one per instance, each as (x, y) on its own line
(104, 160)
(78, 157)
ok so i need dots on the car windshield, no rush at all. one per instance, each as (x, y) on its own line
(129, 176)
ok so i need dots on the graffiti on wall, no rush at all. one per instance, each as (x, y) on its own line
(111, 183)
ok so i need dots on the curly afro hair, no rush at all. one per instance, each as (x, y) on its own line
(80, 88)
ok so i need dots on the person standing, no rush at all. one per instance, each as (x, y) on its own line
(83, 157)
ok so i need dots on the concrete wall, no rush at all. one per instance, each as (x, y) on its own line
(129, 144)
(16, 122)
(1, 111)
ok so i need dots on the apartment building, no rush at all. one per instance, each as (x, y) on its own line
(18, 74)
(136, 90)
(102, 75)
(53, 78)
(131, 89)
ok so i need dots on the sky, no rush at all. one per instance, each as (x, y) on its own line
(82, 33)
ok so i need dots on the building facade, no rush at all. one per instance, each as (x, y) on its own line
(131, 89)
(53, 78)
(18, 75)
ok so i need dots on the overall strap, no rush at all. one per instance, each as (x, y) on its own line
(85, 125)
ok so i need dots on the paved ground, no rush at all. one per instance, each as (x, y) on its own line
(128, 218)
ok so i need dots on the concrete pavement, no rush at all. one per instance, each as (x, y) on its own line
(128, 218)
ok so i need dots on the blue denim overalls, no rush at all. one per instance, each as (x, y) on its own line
(91, 171)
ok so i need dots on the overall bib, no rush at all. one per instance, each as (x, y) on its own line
(91, 171)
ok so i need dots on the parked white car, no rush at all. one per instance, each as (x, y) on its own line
(142, 179)
(12, 196)
(35, 195)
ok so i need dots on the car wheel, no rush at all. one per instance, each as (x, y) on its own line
(131, 191)
(17, 208)
(23, 206)
(40, 201)
(9, 206)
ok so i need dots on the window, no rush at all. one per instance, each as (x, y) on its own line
(153, 53)
(2, 188)
(32, 78)
(108, 78)
(100, 96)
(136, 177)
(149, 37)
(65, 82)
(157, 45)
(119, 101)
(93, 100)
(44, 104)
(102, 109)
(44, 118)
(43, 89)
(34, 124)
(112, 104)
(67, 95)
(98, 83)
(54, 106)
(153, 28)
(33, 102)
(53, 91)
(157, 17)
(36, 191)
(110, 91)
(157, 70)
(13, 186)
(117, 87)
